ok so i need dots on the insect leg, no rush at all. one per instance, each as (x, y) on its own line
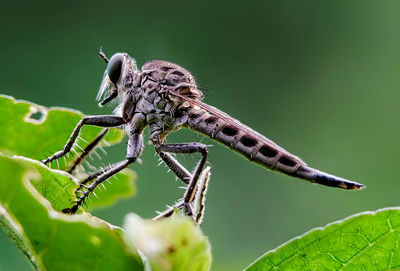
(180, 171)
(169, 211)
(198, 201)
(200, 197)
(93, 176)
(135, 145)
(88, 149)
(102, 121)
(192, 147)
(101, 178)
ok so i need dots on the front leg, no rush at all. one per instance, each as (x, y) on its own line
(191, 147)
(102, 121)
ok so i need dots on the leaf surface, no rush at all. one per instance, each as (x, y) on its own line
(27, 133)
(366, 241)
(51, 240)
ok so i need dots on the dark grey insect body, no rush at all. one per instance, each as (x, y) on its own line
(164, 96)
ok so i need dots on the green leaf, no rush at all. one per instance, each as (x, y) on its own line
(175, 243)
(26, 136)
(23, 134)
(366, 241)
(51, 240)
(32, 196)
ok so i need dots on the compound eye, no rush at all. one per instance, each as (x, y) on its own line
(114, 67)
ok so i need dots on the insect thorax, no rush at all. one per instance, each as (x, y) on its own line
(152, 103)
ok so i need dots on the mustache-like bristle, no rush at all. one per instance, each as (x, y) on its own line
(108, 98)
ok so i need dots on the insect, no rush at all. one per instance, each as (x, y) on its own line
(164, 96)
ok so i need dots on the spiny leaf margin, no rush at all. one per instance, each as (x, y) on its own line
(51, 240)
(28, 137)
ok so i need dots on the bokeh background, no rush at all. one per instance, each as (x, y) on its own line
(321, 78)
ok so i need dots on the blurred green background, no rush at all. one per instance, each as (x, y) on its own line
(320, 78)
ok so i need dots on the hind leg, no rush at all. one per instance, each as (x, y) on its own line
(184, 148)
(198, 200)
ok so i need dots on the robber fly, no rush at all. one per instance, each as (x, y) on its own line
(165, 97)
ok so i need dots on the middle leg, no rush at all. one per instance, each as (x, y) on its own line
(86, 151)
(100, 179)
(134, 148)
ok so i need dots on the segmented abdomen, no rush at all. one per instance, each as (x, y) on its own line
(243, 140)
